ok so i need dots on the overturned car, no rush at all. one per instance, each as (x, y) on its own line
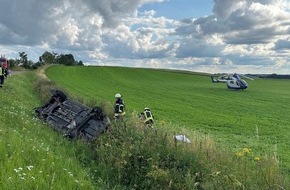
(72, 118)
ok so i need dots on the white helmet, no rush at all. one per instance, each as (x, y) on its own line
(146, 109)
(118, 95)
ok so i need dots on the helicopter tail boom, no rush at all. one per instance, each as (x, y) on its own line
(217, 80)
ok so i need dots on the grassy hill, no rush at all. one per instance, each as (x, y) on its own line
(256, 118)
(32, 156)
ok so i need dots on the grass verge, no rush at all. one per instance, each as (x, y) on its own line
(32, 156)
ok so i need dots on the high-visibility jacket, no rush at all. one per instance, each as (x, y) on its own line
(148, 116)
(1, 71)
(119, 107)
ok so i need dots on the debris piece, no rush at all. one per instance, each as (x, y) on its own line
(182, 138)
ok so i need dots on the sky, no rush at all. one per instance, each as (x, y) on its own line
(212, 36)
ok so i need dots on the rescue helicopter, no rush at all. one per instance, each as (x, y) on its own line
(233, 81)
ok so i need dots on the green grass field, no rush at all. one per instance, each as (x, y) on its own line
(33, 156)
(256, 118)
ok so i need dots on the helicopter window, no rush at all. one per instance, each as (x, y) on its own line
(232, 82)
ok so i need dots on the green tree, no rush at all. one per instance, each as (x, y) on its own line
(67, 59)
(80, 63)
(48, 58)
(13, 63)
(36, 65)
(23, 60)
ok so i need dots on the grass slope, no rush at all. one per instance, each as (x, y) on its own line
(256, 118)
(31, 155)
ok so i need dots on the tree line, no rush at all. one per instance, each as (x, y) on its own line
(46, 58)
(272, 76)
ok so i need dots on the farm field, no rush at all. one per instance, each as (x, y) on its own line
(256, 118)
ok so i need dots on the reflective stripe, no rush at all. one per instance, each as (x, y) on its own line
(120, 114)
(148, 116)
(1, 70)
(119, 108)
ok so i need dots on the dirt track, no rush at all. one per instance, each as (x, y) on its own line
(41, 72)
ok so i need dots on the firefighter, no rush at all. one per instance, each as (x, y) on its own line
(1, 76)
(147, 117)
(119, 107)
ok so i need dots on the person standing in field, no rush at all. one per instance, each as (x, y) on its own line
(1, 76)
(147, 117)
(119, 107)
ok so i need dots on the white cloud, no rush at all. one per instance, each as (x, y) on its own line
(240, 34)
(247, 31)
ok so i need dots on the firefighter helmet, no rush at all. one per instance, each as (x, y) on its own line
(118, 95)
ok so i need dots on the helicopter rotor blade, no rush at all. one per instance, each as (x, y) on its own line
(246, 77)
